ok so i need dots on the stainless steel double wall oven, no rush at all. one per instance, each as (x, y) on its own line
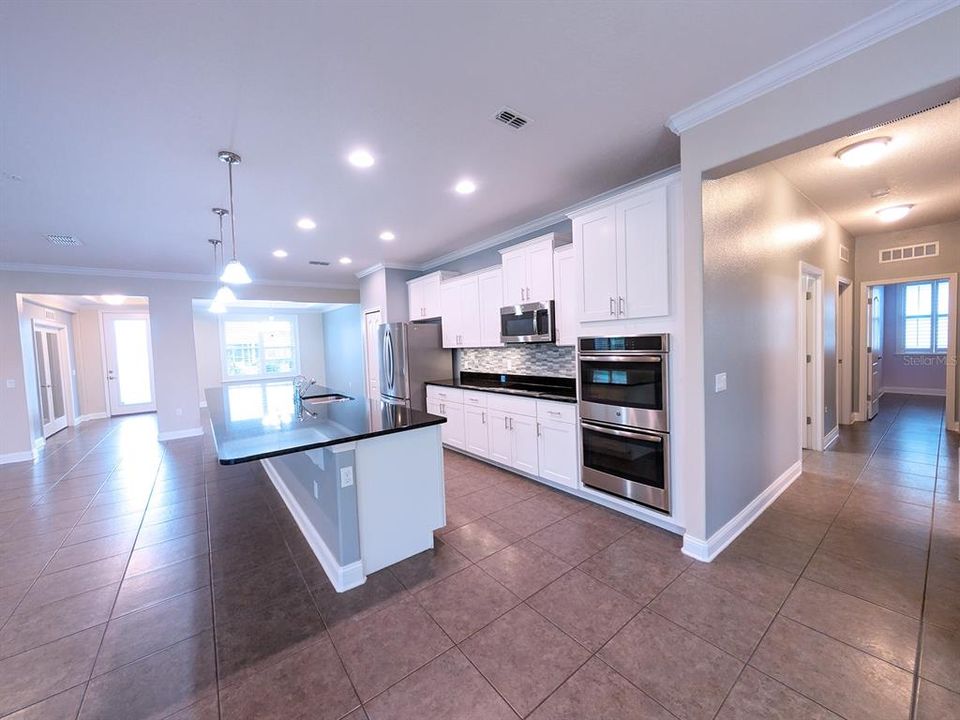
(623, 385)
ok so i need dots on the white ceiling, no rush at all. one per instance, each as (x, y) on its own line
(277, 306)
(921, 167)
(111, 115)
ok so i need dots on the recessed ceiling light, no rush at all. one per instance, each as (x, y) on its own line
(361, 158)
(306, 224)
(864, 153)
(893, 213)
(387, 235)
(465, 186)
(279, 253)
(345, 261)
(113, 299)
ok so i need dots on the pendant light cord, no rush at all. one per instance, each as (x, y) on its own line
(233, 228)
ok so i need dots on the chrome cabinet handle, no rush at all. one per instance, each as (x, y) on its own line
(483, 418)
(553, 412)
(612, 311)
(528, 293)
(538, 429)
(511, 423)
(621, 306)
(505, 427)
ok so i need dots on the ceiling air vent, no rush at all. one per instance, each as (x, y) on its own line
(324, 263)
(909, 252)
(63, 240)
(845, 253)
(511, 117)
(902, 117)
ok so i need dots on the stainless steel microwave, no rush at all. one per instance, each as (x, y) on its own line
(528, 323)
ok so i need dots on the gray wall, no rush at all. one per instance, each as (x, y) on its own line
(343, 349)
(490, 257)
(752, 249)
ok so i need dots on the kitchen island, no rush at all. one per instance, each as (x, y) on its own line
(362, 479)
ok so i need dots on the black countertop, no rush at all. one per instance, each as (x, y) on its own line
(256, 420)
(536, 386)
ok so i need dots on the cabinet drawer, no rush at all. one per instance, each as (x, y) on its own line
(444, 394)
(472, 398)
(512, 405)
(562, 412)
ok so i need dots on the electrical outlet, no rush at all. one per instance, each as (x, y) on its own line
(509, 365)
(720, 382)
(346, 476)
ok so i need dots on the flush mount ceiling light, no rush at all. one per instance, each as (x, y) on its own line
(345, 261)
(361, 158)
(306, 224)
(465, 186)
(280, 253)
(234, 272)
(893, 213)
(387, 236)
(864, 153)
(113, 299)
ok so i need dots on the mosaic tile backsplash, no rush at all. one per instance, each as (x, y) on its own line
(533, 359)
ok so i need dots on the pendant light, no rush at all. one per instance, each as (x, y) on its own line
(224, 293)
(234, 272)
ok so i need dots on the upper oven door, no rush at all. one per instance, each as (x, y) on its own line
(629, 389)
(532, 322)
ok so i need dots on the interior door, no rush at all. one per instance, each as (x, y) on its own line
(50, 365)
(809, 368)
(128, 354)
(371, 329)
(874, 349)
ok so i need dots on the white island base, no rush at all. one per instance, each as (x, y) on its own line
(365, 504)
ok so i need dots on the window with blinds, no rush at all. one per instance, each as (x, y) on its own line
(923, 325)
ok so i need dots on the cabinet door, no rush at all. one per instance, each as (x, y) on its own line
(450, 313)
(431, 297)
(595, 237)
(433, 407)
(644, 269)
(452, 431)
(540, 272)
(470, 313)
(514, 278)
(415, 300)
(558, 452)
(475, 431)
(490, 291)
(524, 443)
(565, 292)
(498, 432)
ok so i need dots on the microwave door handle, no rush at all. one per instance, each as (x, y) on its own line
(604, 430)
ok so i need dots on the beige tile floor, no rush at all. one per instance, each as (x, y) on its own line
(140, 580)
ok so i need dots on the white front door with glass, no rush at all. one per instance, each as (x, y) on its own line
(259, 348)
(128, 353)
(50, 379)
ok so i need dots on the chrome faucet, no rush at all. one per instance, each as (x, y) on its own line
(301, 385)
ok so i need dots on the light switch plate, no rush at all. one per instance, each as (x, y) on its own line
(720, 382)
(346, 476)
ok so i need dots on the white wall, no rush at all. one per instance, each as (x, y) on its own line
(171, 323)
(839, 99)
(89, 350)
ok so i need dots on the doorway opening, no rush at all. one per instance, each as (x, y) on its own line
(128, 362)
(811, 357)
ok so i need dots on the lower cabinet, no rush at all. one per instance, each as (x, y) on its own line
(524, 444)
(452, 432)
(476, 437)
(557, 449)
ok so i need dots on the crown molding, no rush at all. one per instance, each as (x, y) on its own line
(388, 266)
(151, 275)
(869, 31)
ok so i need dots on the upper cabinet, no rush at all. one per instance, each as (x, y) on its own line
(490, 286)
(622, 257)
(470, 310)
(423, 295)
(565, 289)
(528, 270)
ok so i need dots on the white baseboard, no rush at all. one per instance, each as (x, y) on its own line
(179, 434)
(831, 437)
(15, 457)
(91, 416)
(931, 392)
(342, 577)
(38, 445)
(855, 417)
(707, 550)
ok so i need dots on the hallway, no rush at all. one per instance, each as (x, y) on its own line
(144, 580)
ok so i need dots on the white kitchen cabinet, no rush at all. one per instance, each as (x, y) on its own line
(490, 295)
(500, 438)
(528, 270)
(450, 314)
(622, 257)
(557, 451)
(452, 432)
(423, 295)
(476, 437)
(565, 289)
(460, 312)
(524, 445)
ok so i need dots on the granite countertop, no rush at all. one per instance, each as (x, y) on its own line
(256, 420)
(541, 387)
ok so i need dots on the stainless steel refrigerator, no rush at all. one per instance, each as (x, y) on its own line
(411, 354)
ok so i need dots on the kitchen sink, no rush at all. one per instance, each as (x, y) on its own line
(325, 399)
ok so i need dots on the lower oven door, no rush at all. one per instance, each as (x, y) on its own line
(629, 463)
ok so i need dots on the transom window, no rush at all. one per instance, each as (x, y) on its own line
(923, 326)
(259, 347)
